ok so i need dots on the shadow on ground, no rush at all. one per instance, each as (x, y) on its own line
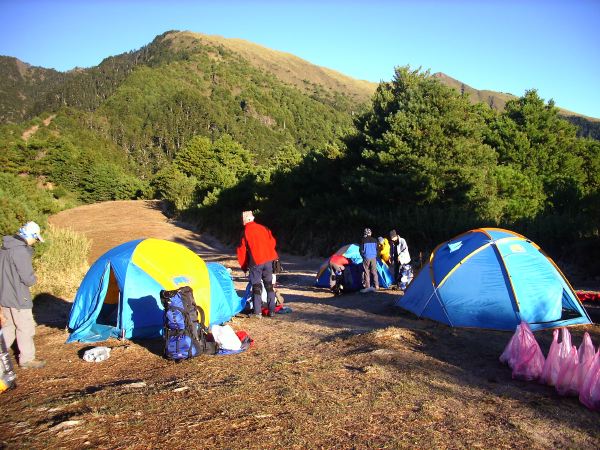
(51, 311)
(156, 346)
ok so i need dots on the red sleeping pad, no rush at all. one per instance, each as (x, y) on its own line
(586, 296)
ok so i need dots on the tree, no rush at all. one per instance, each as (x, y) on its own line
(177, 188)
(422, 143)
(215, 165)
(533, 139)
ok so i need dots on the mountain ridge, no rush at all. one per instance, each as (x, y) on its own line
(28, 91)
(496, 100)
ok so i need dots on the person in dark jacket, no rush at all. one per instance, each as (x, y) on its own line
(368, 251)
(256, 254)
(17, 276)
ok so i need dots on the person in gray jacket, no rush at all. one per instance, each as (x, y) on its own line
(16, 277)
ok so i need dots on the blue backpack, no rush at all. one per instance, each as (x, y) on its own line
(184, 336)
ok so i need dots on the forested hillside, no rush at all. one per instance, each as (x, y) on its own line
(214, 126)
(116, 128)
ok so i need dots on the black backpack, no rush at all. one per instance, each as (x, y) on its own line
(184, 336)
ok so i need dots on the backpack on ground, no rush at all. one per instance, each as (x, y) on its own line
(183, 335)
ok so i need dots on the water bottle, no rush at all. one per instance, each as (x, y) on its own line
(7, 374)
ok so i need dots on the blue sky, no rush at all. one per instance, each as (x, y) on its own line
(508, 46)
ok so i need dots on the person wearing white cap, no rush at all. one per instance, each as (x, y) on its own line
(16, 277)
(256, 254)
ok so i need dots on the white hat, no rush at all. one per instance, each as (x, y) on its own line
(31, 230)
(247, 216)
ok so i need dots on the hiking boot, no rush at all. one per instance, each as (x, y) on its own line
(33, 364)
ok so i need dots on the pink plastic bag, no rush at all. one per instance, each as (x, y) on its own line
(529, 364)
(586, 353)
(523, 354)
(509, 354)
(559, 351)
(528, 359)
(566, 384)
(589, 394)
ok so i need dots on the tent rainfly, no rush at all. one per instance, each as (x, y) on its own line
(493, 278)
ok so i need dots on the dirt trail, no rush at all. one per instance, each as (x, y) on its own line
(347, 372)
(33, 129)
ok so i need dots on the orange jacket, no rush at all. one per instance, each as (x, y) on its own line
(256, 247)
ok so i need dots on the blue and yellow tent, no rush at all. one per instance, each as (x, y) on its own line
(493, 278)
(120, 294)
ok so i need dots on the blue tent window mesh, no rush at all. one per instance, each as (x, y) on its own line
(569, 310)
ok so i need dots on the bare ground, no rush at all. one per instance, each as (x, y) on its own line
(346, 372)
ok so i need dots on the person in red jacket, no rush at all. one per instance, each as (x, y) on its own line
(256, 254)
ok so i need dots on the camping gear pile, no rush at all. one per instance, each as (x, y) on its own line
(228, 341)
(573, 371)
(493, 278)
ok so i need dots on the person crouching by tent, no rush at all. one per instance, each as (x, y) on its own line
(383, 250)
(400, 257)
(256, 254)
(368, 252)
(337, 264)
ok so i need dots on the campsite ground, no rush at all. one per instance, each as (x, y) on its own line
(346, 372)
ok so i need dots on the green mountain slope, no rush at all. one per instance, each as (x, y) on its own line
(152, 101)
(21, 85)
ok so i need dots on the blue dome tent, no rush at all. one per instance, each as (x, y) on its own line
(493, 278)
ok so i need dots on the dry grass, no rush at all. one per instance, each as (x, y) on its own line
(63, 263)
(345, 372)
